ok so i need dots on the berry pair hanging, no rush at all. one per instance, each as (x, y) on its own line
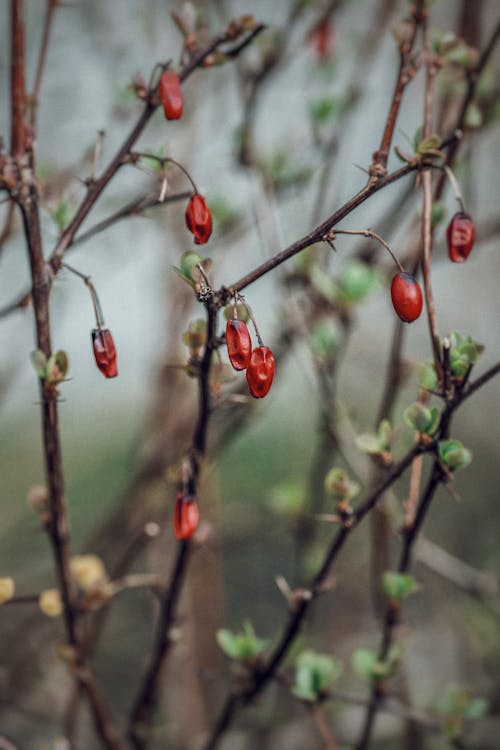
(258, 362)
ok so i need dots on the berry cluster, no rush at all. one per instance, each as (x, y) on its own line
(258, 362)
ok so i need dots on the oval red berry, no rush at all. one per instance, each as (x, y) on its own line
(170, 93)
(186, 516)
(260, 371)
(406, 297)
(239, 344)
(104, 352)
(199, 219)
(460, 236)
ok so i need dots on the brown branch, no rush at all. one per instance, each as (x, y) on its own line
(17, 89)
(145, 702)
(96, 187)
(57, 525)
(47, 26)
(378, 167)
(133, 208)
(236, 701)
(427, 207)
(318, 234)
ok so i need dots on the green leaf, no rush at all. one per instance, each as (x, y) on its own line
(363, 661)
(379, 443)
(227, 643)
(57, 367)
(421, 418)
(437, 214)
(453, 454)
(418, 137)
(314, 675)
(368, 443)
(196, 335)
(340, 486)
(426, 374)
(325, 109)
(398, 586)
(356, 281)
(63, 213)
(476, 709)
(325, 339)
(39, 362)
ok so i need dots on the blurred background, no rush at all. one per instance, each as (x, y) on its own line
(273, 159)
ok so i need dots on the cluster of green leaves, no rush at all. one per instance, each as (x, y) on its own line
(369, 666)
(53, 369)
(244, 646)
(379, 443)
(464, 352)
(314, 675)
(453, 454)
(423, 419)
(354, 283)
(340, 486)
(456, 707)
(398, 586)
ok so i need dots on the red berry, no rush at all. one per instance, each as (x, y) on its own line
(170, 93)
(104, 352)
(460, 235)
(239, 344)
(186, 516)
(260, 371)
(322, 39)
(199, 219)
(406, 296)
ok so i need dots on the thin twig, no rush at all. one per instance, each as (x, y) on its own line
(17, 87)
(47, 27)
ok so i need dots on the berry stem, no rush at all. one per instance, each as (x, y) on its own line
(251, 316)
(455, 187)
(163, 160)
(367, 233)
(99, 317)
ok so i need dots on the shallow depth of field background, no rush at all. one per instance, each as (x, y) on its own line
(108, 427)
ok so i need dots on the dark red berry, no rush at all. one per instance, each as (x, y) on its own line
(170, 93)
(260, 371)
(460, 235)
(199, 219)
(406, 297)
(239, 344)
(322, 40)
(186, 516)
(104, 352)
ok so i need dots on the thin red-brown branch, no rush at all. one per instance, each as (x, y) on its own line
(318, 234)
(47, 26)
(17, 89)
(378, 167)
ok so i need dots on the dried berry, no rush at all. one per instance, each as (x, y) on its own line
(199, 219)
(170, 93)
(186, 516)
(406, 297)
(460, 236)
(239, 344)
(260, 371)
(104, 352)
